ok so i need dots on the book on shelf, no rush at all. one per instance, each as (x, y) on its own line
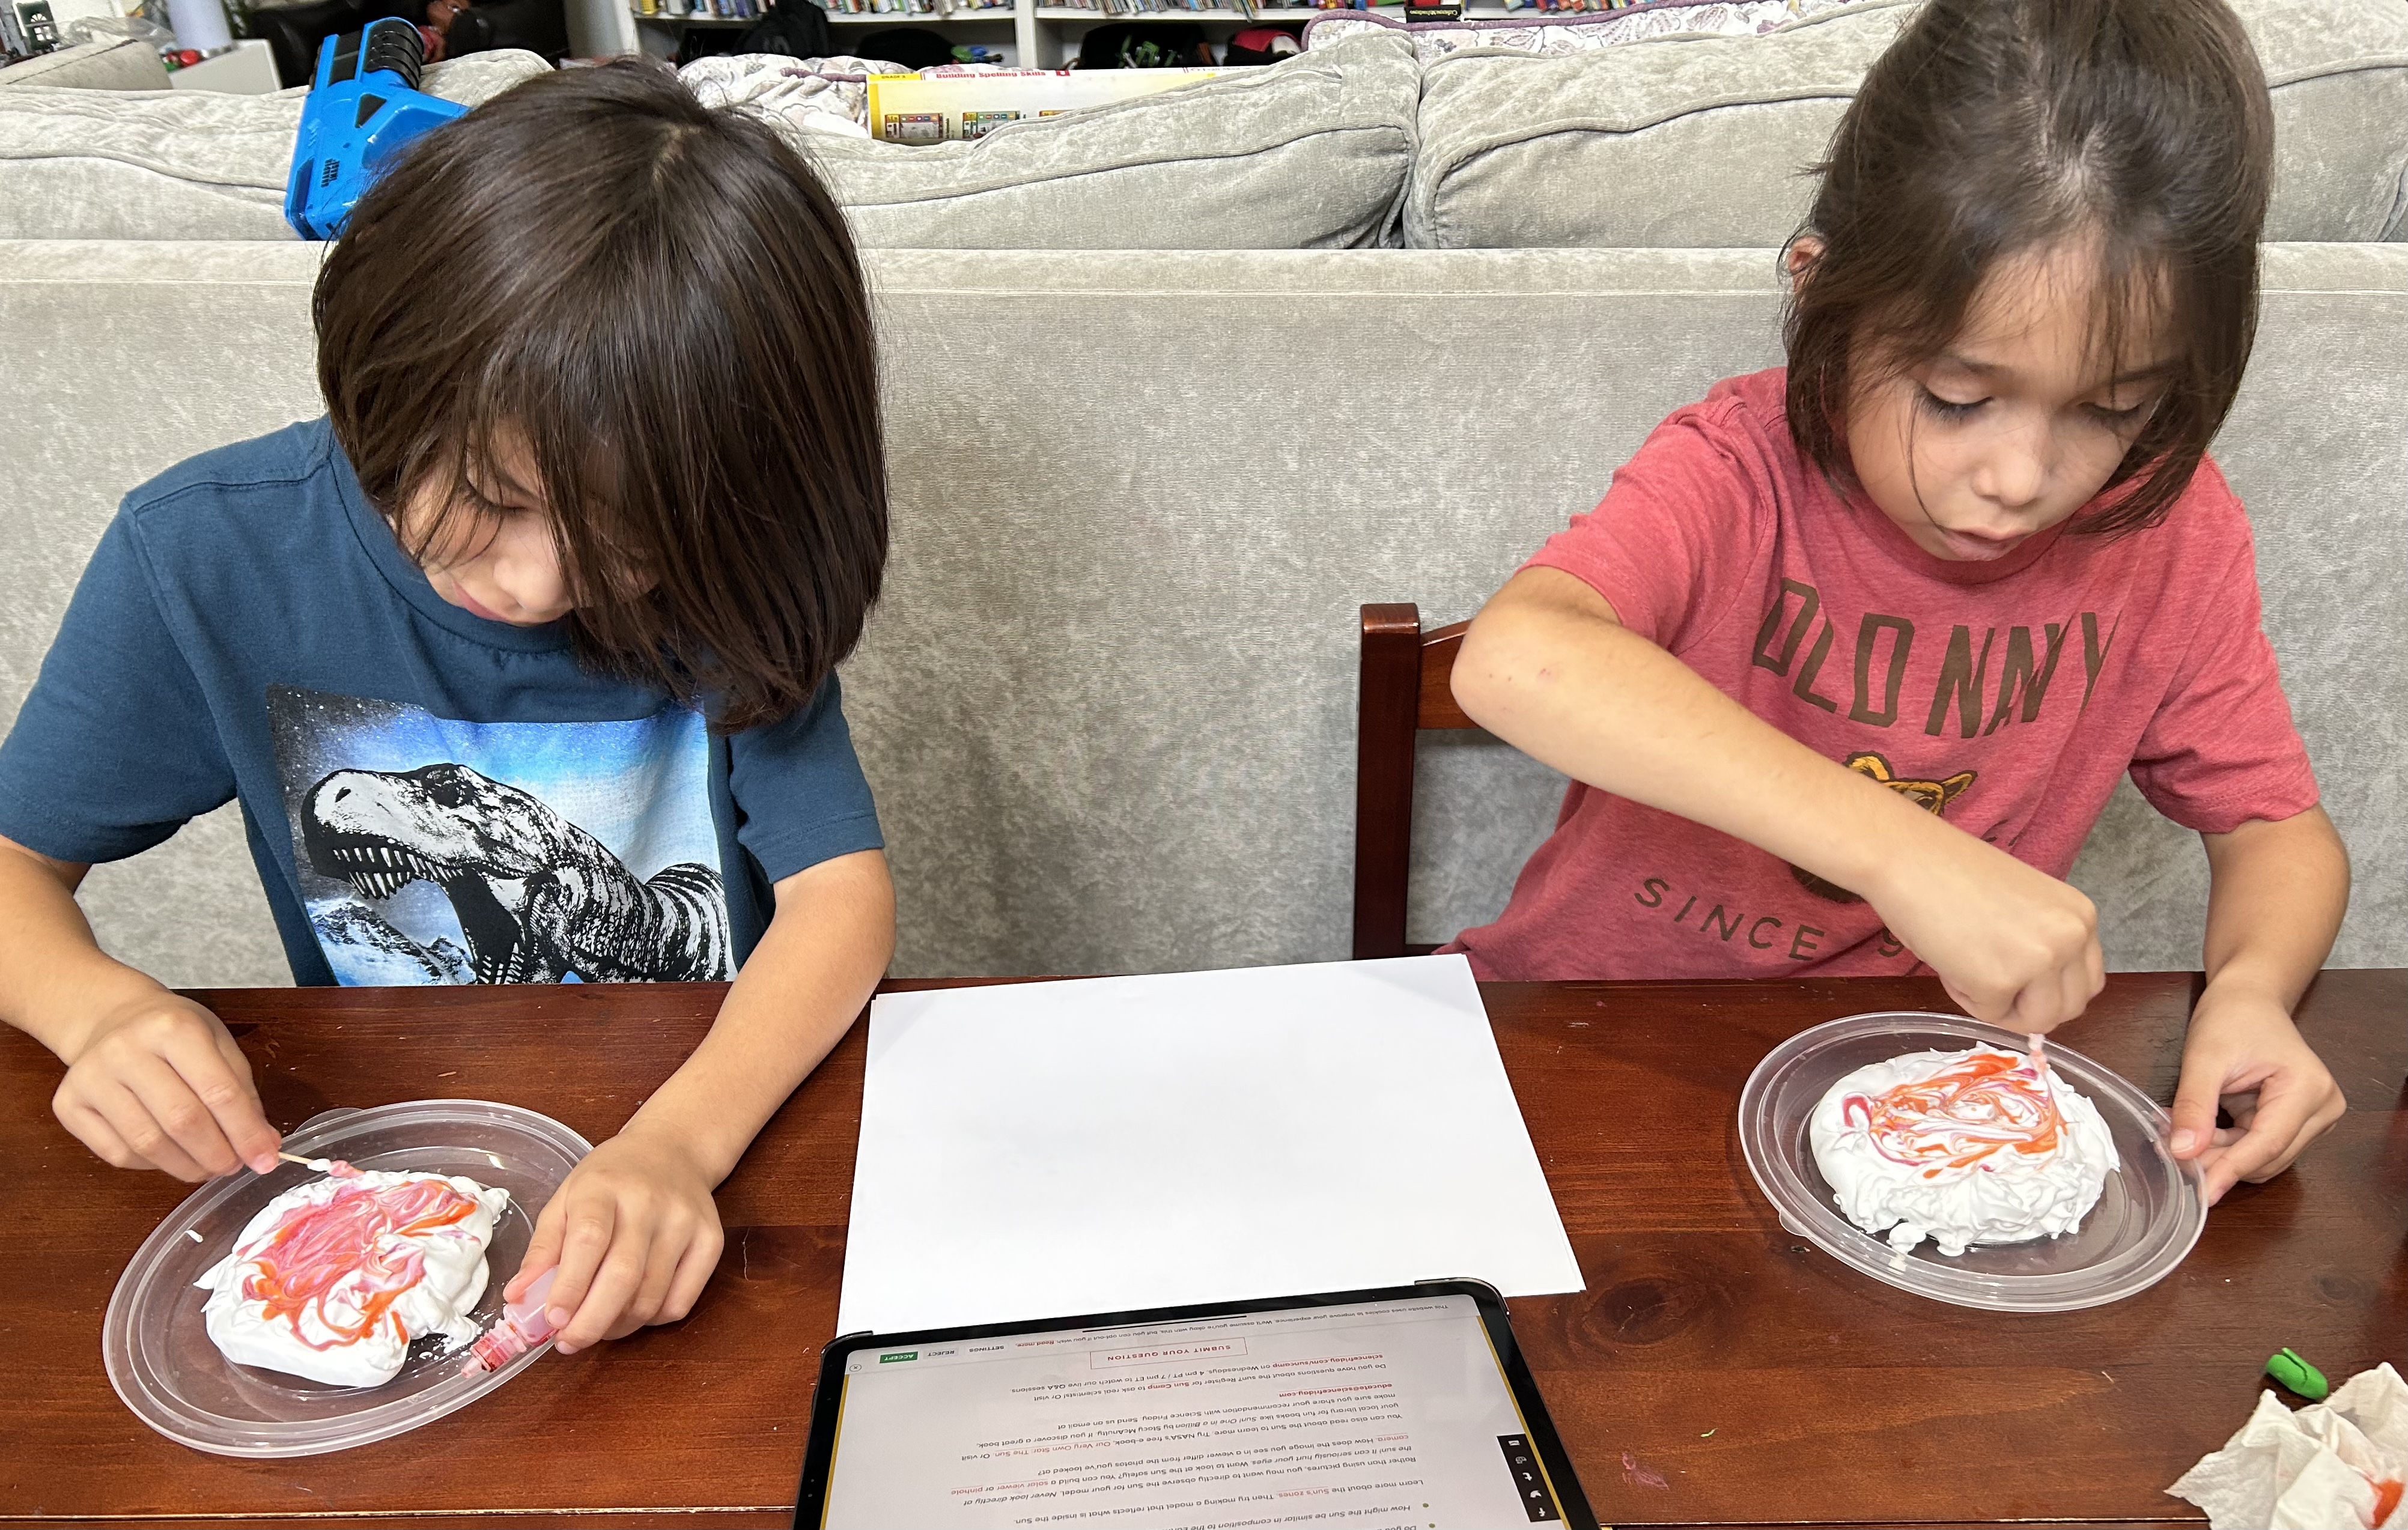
(698, 10)
(1246, 9)
(916, 8)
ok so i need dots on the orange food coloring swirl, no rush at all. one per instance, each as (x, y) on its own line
(315, 1252)
(1961, 1115)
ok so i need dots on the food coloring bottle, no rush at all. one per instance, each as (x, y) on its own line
(523, 1324)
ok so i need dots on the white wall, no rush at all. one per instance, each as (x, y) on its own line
(596, 28)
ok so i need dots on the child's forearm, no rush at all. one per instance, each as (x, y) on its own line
(153, 1080)
(2276, 893)
(55, 981)
(1548, 668)
(815, 968)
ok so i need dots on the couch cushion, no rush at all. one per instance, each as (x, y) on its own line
(118, 64)
(175, 164)
(1702, 140)
(1308, 153)
(2338, 73)
(1573, 31)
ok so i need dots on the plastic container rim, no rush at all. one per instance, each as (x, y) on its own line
(1814, 1218)
(321, 1137)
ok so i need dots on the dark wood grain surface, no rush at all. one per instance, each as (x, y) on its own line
(1717, 1370)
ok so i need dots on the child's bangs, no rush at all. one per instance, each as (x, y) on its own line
(508, 445)
(447, 498)
(2147, 314)
(2126, 293)
(2133, 328)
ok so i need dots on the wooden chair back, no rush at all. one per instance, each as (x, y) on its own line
(1407, 686)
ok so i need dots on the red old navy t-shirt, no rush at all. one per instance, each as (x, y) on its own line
(2005, 696)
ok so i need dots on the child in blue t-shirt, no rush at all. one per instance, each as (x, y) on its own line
(521, 662)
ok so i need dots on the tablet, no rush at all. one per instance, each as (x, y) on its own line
(1402, 1409)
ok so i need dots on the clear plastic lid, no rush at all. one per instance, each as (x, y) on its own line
(2149, 1214)
(158, 1352)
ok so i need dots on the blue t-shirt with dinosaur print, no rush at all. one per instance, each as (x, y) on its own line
(430, 797)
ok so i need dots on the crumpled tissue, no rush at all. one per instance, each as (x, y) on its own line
(2337, 1462)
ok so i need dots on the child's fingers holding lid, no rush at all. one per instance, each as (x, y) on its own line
(2273, 1139)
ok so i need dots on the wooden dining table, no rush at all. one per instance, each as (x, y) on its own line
(1717, 1369)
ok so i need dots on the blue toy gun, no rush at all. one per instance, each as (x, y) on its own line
(363, 106)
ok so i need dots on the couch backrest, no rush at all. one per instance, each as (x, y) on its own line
(1447, 137)
(112, 63)
(1108, 703)
(1309, 153)
(176, 164)
(1705, 140)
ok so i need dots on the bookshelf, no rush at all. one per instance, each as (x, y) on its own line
(1036, 35)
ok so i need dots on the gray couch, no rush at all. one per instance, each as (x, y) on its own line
(132, 164)
(120, 64)
(1108, 703)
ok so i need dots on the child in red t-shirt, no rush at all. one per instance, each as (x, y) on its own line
(1847, 661)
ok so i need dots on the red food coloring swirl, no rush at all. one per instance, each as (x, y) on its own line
(315, 1252)
(1960, 1115)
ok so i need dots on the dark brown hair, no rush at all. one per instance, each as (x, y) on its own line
(663, 304)
(1996, 127)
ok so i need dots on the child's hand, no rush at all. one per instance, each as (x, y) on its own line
(159, 1083)
(636, 1235)
(2243, 1052)
(2010, 943)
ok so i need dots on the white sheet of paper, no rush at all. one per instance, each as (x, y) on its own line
(1051, 1150)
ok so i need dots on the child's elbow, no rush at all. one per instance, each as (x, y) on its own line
(1512, 650)
(1481, 678)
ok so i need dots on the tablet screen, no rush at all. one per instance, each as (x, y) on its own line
(1382, 1415)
